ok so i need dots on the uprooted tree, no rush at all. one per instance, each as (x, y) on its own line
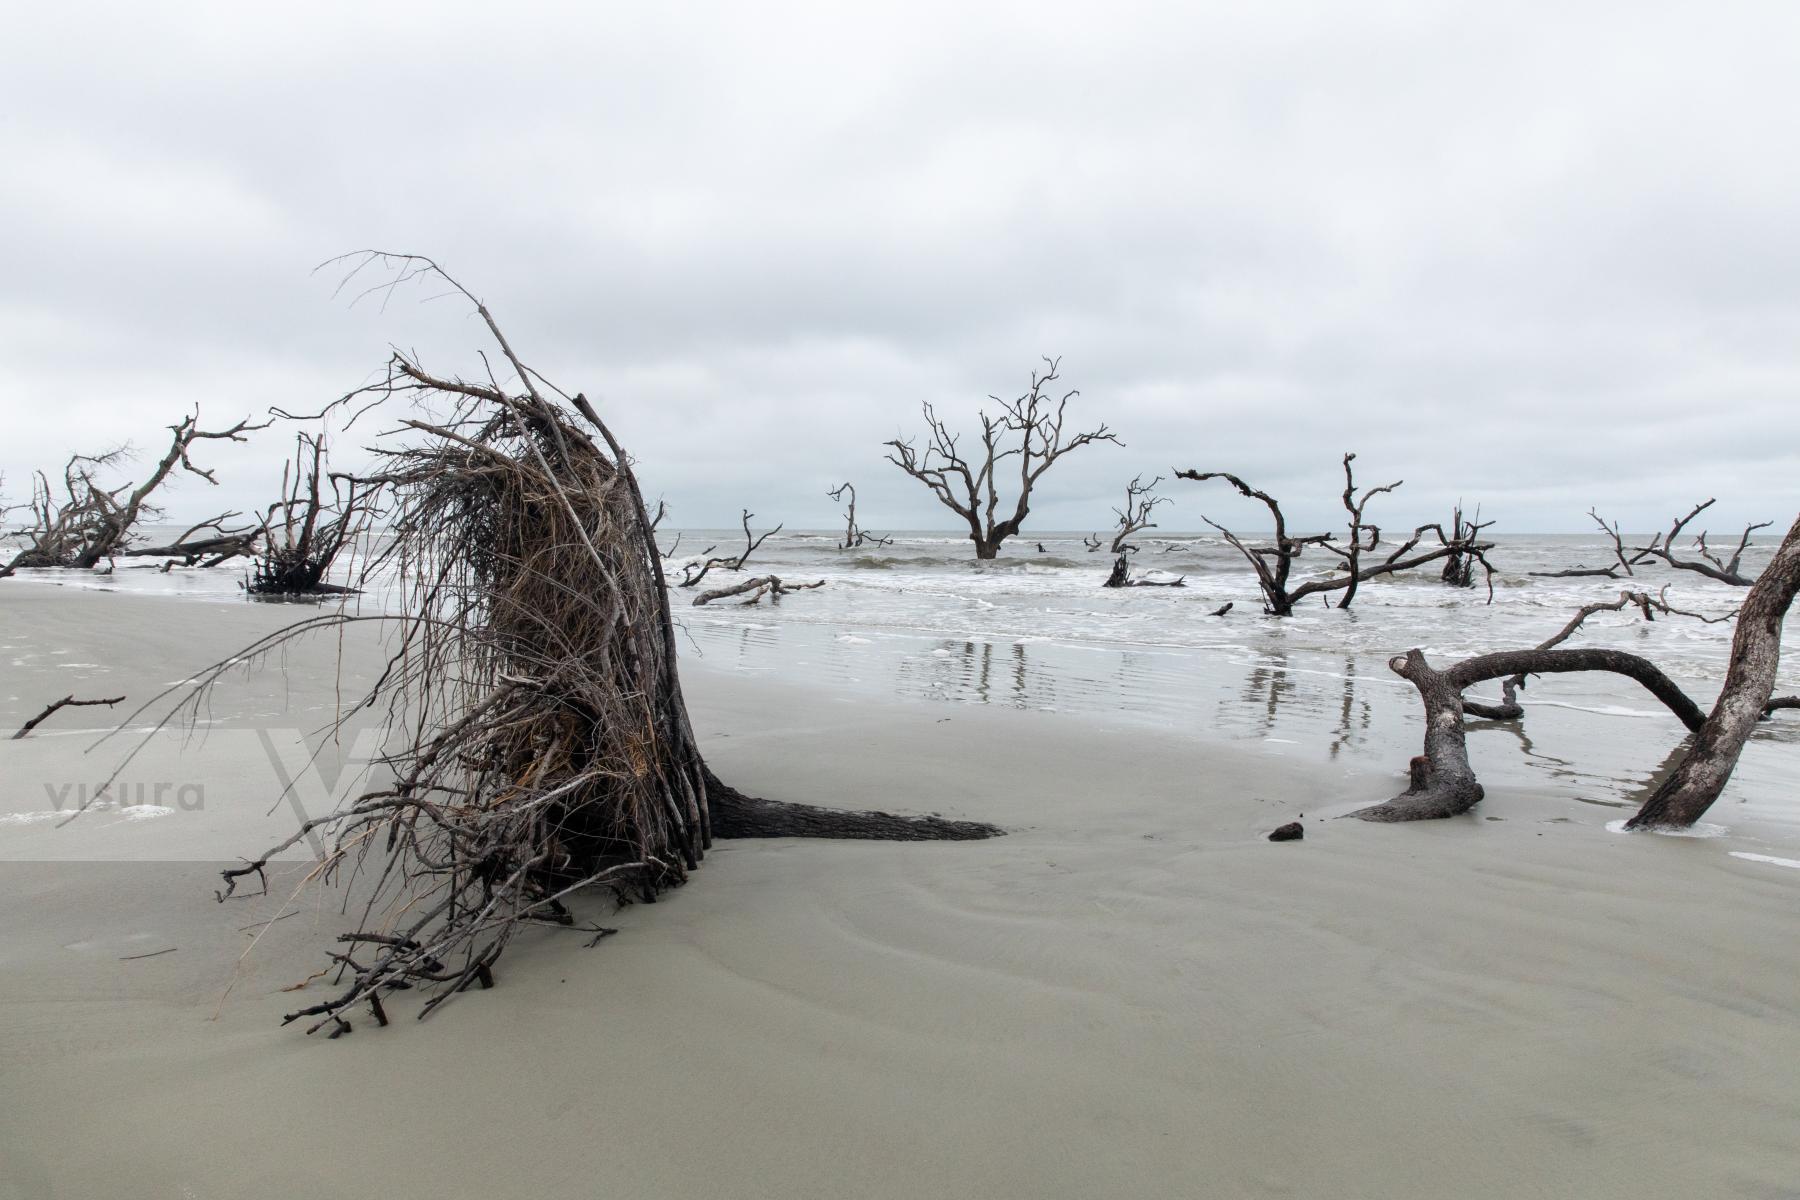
(1274, 562)
(544, 746)
(1030, 428)
(305, 531)
(86, 523)
(1442, 783)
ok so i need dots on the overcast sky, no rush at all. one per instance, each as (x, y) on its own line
(1542, 257)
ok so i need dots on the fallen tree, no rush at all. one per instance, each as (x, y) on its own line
(753, 590)
(1708, 564)
(88, 523)
(1274, 562)
(1693, 786)
(1662, 547)
(1442, 783)
(544, 745)
(1029, 428)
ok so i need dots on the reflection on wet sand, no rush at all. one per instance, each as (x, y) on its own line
(1354, 713)
(1268, 687)
(1578, 740)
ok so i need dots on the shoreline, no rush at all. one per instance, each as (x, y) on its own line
(1131, 993)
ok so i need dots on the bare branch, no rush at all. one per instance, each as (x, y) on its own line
(68, 701)
(693, 573)
(1709, 564)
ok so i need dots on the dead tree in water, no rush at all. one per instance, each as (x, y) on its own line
(1273, 563)
(694, 572)
(543, 742)
(306, 530)
(89, 523)
(854, 534)
(1030, 428)
(1442, 783)
(1459, 567)
(1133, 518)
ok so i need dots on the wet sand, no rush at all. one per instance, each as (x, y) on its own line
(1133, 993)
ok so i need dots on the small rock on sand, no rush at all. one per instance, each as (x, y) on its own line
(1293, 831)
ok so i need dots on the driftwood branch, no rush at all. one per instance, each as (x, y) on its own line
(753, 590)
(68, 701)
(1698, 779)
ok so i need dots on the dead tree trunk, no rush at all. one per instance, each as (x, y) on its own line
(544, 742)
(1029, 428)
(1745, 699)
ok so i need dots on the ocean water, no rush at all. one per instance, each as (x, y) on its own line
(922, 620)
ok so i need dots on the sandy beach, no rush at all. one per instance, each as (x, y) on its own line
(1133, 993)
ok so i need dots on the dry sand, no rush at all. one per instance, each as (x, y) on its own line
(1133, 994)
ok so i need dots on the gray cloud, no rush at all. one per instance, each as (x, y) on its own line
(1541, 255)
